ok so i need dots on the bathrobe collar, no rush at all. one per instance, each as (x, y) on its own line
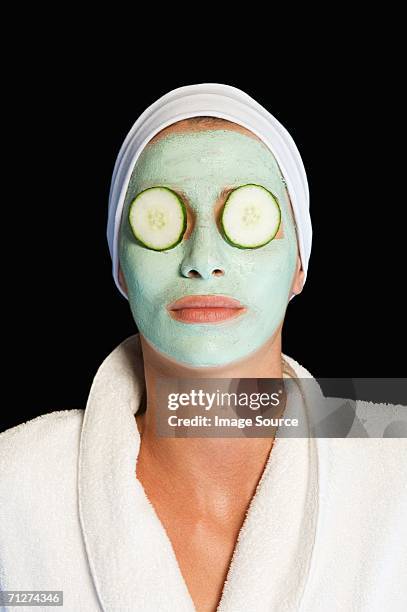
(131, 559)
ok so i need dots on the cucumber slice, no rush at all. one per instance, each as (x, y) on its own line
(251, 217)
(158, 218)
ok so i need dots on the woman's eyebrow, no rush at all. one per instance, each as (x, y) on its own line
(222, 194)
(177, 190)
(225, 191)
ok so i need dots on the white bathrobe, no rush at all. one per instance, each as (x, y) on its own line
(326, 530)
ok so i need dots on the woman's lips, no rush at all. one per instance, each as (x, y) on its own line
(205, 309)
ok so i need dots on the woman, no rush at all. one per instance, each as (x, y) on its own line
(210, 238)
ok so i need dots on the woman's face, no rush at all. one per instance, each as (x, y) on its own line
(202, 167)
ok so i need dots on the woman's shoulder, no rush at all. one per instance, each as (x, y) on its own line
(40, 444)
(38, 489)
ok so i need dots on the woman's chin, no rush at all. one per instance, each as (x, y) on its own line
(202, 353)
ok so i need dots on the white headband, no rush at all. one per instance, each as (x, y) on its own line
(225, 102)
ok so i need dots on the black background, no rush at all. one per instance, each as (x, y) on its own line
(69, 113)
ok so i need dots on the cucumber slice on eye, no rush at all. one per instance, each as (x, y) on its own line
(158, 218)
(251, 217)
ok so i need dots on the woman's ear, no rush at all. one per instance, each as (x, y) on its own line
(122, 281)
(298, 281)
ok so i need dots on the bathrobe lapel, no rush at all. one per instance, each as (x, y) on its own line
(131, 559)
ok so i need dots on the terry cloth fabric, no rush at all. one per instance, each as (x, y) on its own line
(214, 100)
(325, 530)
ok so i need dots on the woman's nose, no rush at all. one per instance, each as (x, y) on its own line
(202, 258)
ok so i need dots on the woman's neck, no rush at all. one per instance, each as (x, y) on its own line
(213, 475)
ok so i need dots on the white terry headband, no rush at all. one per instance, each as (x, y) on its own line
(213, 100)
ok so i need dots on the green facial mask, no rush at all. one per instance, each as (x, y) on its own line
(201, 165)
